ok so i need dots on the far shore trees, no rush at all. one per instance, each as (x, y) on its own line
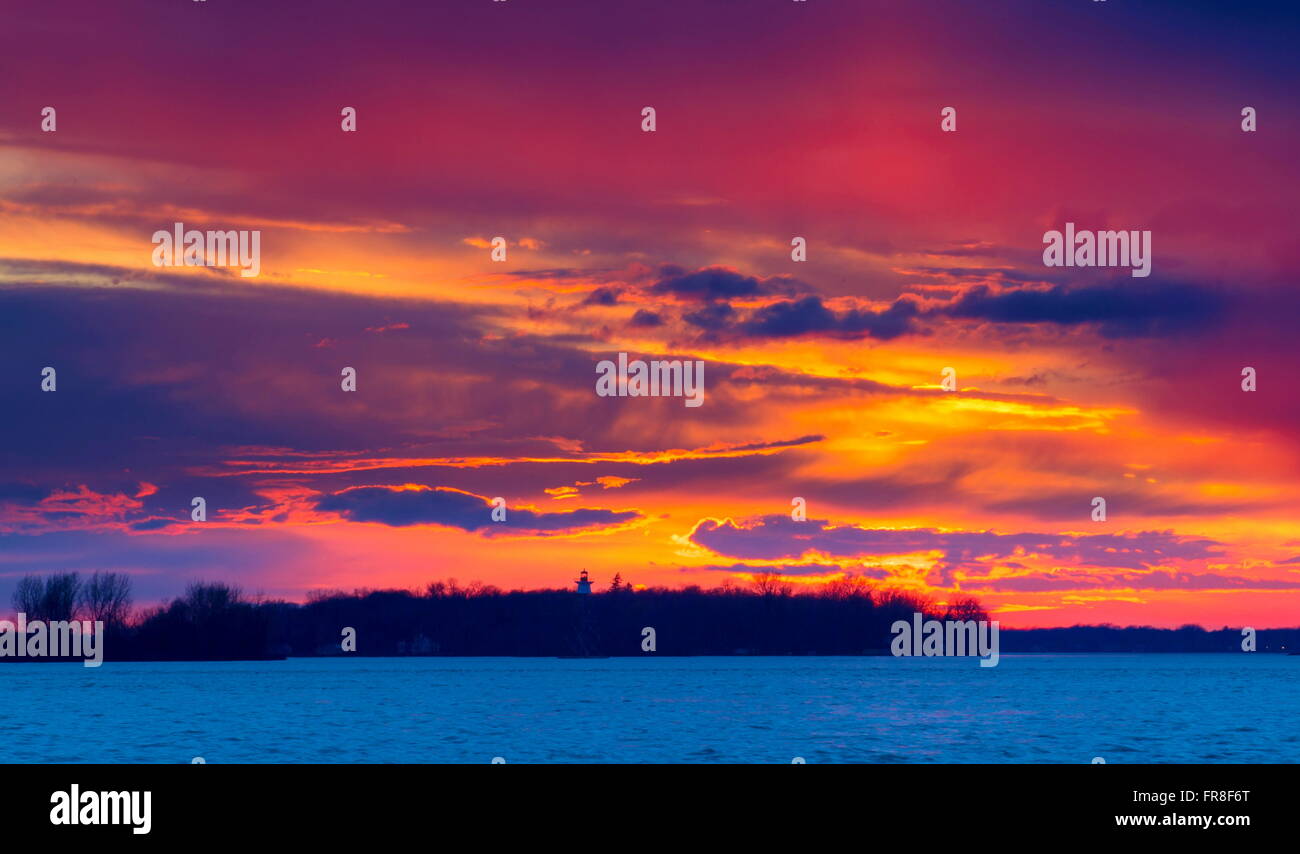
(104, 596)
(770, 616)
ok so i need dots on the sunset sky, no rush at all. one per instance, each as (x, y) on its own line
(475, 378)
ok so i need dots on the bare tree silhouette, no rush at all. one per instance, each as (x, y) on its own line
(107, 596)
(48, 598)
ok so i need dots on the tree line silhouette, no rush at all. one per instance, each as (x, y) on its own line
(217, 621)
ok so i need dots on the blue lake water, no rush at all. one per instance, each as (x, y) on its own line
(1040, 708)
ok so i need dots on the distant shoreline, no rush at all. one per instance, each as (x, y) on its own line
(354, 655)
(216, 622)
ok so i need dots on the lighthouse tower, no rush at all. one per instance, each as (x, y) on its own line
(584, 586)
